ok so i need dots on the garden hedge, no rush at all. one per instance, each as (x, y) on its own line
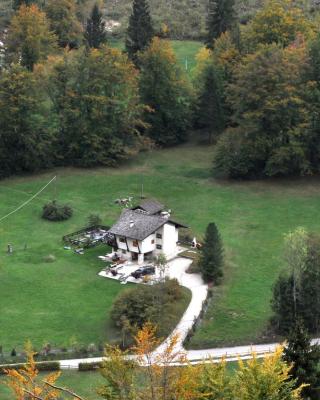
(41, 366)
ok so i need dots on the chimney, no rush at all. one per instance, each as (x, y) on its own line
(131, 224)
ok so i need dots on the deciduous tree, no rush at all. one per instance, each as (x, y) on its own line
(28, 128)
(63, 22)
(279, 21)
(29, 38)
(270, 114)
(96, 97)
(165, 90)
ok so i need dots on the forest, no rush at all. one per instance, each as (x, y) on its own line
(67, 97)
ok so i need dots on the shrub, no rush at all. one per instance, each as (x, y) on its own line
(49, 258)
(53, 211)
(141, 304)
(94, 220)
(41, 366)
(90, 366)
(235, 157)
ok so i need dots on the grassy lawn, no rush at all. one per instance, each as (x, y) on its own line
(63, 300)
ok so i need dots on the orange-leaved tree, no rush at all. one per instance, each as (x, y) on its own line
(143, 373)
(26, 383)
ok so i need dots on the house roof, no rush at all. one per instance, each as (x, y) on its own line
(137, 225)
(150, 206)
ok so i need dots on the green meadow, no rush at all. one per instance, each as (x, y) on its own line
(65, 301)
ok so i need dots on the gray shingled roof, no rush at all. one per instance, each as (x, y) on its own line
(150, 206)
(136, 225)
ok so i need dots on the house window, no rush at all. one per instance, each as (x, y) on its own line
(124, 252)
(159, 236)
(122, 240)
(135, 243)
(159, 247)
(152, 241)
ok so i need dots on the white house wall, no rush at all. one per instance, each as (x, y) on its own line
(169, 240)
(147, 245)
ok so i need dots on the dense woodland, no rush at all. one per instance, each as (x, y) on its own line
(68, 98)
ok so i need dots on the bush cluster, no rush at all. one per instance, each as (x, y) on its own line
(53, 211)
(90, 366)
(41, 366)
(140, 304)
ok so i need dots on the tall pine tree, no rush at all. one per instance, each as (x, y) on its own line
(140, 30)
(211, 257)
(221, 18)
(95, 34)
(305, 360)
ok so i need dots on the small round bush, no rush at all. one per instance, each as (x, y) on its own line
(49, 258)
(53, 211)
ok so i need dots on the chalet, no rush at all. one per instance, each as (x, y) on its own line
(144, 231)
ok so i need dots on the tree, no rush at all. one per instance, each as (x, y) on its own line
(280, 22)
(221, 18)
(63, 22)
(271, 115)
(161, 263)
(295, 253)
(29, 39)
(136, 306)
(266, 379)
(296, 294)
(284, 313)
(26, 382)
(95, 33)
(210, 103)
(305, 361)
(17, 3)
(165, 90)
(310, 286)
(140, 29)
(28, 128)
(211, 256)
(96, 97)
(160, 381)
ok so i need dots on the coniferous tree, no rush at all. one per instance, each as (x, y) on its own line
(95, 33)
(211, 257)
(211, 114)
(282, 305)
(140, 30)
(305, 360)
(221, 18)
(165, 89)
